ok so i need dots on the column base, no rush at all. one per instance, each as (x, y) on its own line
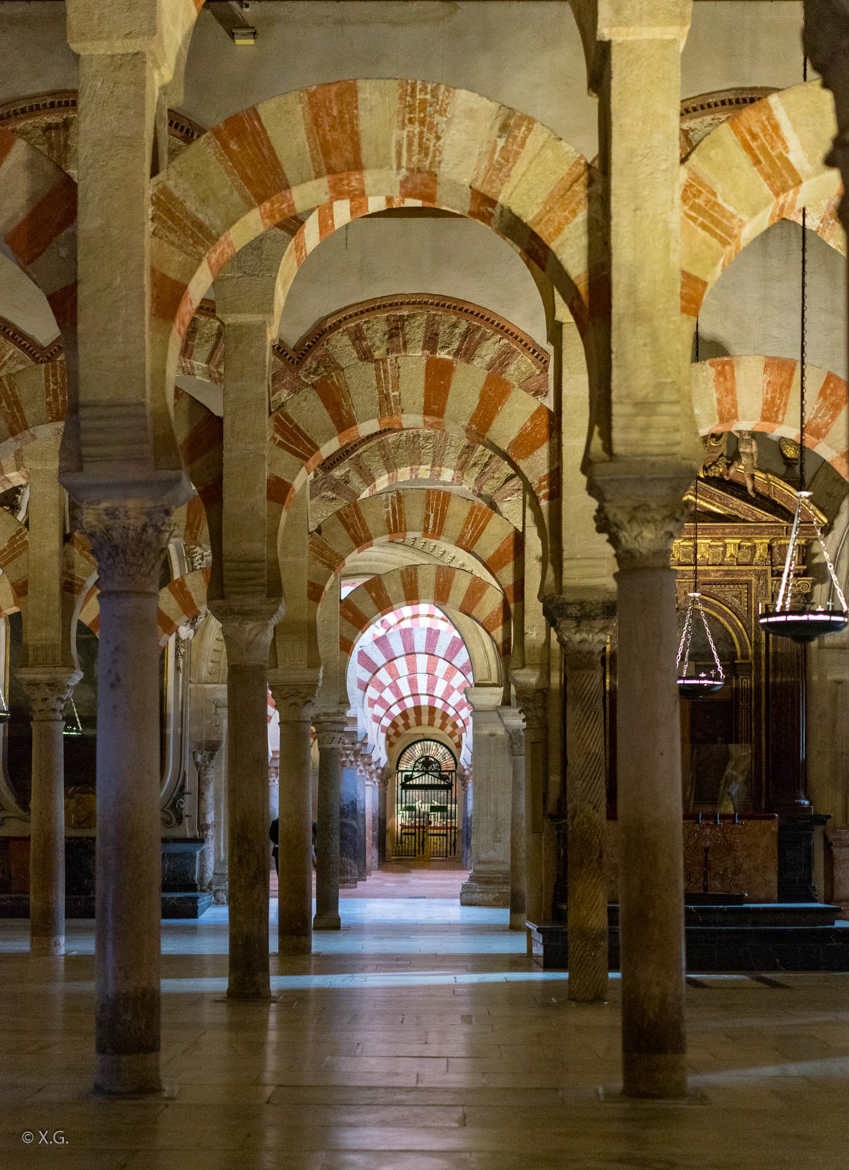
(326, 922)
(294, 944)
(49, 946)
(127, 1074)
(486, 889)
(654, 1075)
(250, 996)
(518, 918)
(220, 889)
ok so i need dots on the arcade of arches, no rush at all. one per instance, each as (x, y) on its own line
(354, 385)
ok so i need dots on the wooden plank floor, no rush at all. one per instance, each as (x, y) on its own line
(420, 1037)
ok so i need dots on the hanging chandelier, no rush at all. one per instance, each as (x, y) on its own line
(73, 729)
(692, 685)
(791, 616)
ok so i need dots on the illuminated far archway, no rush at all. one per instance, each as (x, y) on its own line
(416, 640)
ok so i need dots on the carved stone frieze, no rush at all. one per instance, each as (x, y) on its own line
(128, 539)
(48, 690)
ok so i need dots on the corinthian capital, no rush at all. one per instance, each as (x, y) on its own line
(247, 626)
(582, 627)
(128, 539)
(641, 508)
(294, 693)
(330, 729)
(48, 690)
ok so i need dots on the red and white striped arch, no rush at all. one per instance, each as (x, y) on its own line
(762, 394)
(425, 719)
(401, 678)
(433, 639)
(434, 513)
(440, 584)
(761, 165)
(350, 140)
(461, 711)
(403, 392)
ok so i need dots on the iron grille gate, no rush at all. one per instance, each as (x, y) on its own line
(426, 808)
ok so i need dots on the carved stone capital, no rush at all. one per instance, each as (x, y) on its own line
(294, 694)
(247, 627)
(641, 509)
(582, 628)
(533, 703)
(204, 755)
(350, 753)
(330, 730)
(128, 539)
(48, 690)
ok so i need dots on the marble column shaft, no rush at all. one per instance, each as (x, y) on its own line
(204, 760)
(247, 629)
(129, 541)
(330, 729)
(582, 631)
(650, 804)
(294, 929)
(48, 689)
(489, 881)
(514, 723)
(532, 702)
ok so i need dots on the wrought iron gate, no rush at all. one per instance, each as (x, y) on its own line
(425, 807)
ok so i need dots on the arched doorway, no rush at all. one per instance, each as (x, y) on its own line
(426, 822)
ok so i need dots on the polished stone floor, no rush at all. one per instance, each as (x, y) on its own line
(420, 1037)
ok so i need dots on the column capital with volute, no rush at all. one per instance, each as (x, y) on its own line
(582, 627)
(128, 538)
(294, 693)
(247, 625)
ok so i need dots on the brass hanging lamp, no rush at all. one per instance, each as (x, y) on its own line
(73, 728)
(791, 616)
(692, 684)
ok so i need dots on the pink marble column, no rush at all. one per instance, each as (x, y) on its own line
(48, 689)
(515, 726)
(294, 701)
(129, 540)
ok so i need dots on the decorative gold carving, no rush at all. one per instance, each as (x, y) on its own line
(128, 539)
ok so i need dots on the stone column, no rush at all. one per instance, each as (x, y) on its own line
(274, 786)
(582, 629)
(48, 689)
(362, 820)
(641, 517)
(515, 725)
(489, 881)
(220, 881)
(247, 629)
(532, 701)
(294, 699)
(204, 760)
(129, 541)
(349, 827)
(330, 729)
